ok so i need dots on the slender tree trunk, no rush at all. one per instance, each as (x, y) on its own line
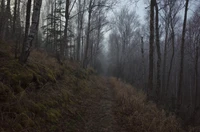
(54, 27)
(28, 14)
(196, 106)
(143, 62)
(164, 62)
(14, 18)
(158, 86)
(64, 45)
(85, 61)
(80, 17)
(172, 57)
(6, 32)
(179, 94)
(2, 18)
(14, 27)
(33, 30)
(151, 48)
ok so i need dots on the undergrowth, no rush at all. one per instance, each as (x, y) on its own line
(41, 95)
(135, 114)
(45, 96)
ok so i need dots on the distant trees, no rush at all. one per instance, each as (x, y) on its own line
(173, 69)
(70, 27)
(122, 42)
(193, 38)
(96, 10)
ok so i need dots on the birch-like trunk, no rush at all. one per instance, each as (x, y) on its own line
(33, 31)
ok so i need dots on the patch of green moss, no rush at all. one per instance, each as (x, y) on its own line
(81, 74)
(37, 108)
(17, 127)
(5, 93)
(53, 115)
(24, 120)
(51, 76)
(16, 75)
(51, 103)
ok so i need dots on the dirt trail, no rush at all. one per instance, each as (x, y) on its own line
(101, 118)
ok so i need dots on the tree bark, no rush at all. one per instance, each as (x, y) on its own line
(64, 45)
(33, 30)
(6, 32)
(2, 17)
(143, 62)
(179, 94)
(14, 27)
(172, 57)
(28, 14)
(196, 106)
(158, 86)
(164, 62)
(85, 61)
(151, 49)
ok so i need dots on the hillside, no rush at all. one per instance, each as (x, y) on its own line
(46, 96)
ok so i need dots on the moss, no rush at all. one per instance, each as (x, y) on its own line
(24, 120)
(5, 93)
(17, 127)
(16, 75)
(37, 108)
(53, 115)
(54, 128)
(18, 89)
(91, 71)
(51, 103)
(65, 96)
(50, 75)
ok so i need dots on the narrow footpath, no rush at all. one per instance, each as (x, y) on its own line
(100, 112)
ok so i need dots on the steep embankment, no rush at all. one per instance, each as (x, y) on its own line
(45, 96)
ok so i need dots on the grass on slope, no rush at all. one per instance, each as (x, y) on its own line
(41, 95)
(45, 96)
(135, 114)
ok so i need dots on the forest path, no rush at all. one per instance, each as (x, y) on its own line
(100, 112)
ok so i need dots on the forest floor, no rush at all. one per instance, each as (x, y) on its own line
(100, 112)
(45, 96)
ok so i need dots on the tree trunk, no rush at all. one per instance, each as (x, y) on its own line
(6, 32)
(151, 48)
(179, 94)
(172, 57)
(28, 14)
(143, 62)
(14, 27)
(158, 86)
(2, 17)
(63, 45)
(33, 30)
(164, 62)
(196, 106)
(79, 28)
(85, 61)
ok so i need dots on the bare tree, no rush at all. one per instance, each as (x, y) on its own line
(33, 29)
(158, 86)
(179, 94)
(151, 48)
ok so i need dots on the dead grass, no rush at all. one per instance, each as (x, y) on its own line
(41, 95)
(135, 114)
(46, 96)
